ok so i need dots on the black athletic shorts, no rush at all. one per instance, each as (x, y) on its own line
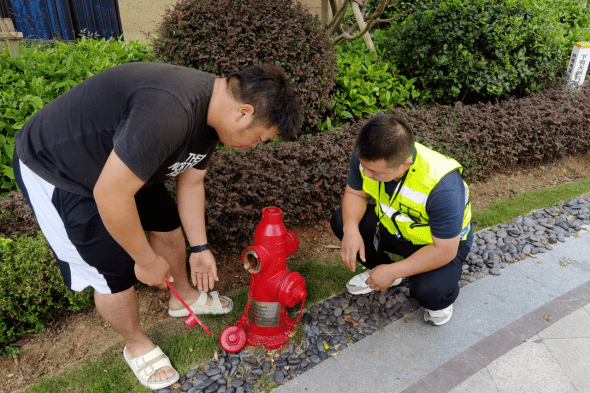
(86, 253)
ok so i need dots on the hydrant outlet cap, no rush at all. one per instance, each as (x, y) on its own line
(233, 338)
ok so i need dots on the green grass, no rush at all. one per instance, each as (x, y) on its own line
(110, 373)
(524, 203)
(323, 280)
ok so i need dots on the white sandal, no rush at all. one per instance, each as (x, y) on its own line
(200, 306)
(143, 372)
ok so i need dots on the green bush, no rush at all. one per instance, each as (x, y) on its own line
(367, 84)
(570, 12)
(42, 74)
(31, 288)
(472, 50)
(395, 9)
(225, 36)
(570, 17)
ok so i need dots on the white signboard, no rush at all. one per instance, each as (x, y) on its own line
(578, 66)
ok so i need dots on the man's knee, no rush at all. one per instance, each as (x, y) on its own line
(434, 297)
(337, 223)
(173, 238)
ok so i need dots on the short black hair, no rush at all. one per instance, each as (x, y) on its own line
(385, 137)
(267, 89)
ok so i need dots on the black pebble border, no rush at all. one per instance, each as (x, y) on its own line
(336, 323)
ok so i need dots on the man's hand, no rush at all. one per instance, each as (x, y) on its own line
(154, 273)
(203, 270)
(352, 244)
(381, 277)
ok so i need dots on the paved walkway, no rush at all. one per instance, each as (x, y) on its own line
(527, 330)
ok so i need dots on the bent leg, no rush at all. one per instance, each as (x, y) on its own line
(88, 256)
(439, 288)
(171, 246)
(367, 227)
(121, 311)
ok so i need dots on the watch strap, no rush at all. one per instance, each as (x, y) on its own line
(200, 248)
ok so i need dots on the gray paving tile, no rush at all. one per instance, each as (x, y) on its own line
(575, 325)
(530, 367)
(481, 382)
(395, 358)
(497, 344)
(421, 387)
(451, 373)
(456, 371)
(573, 355)
(314, 381)
(528, 325)
(587, 307)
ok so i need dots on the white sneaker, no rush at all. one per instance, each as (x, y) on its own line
(358, 286)
(438, 317)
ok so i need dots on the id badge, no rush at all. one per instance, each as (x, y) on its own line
(376, 240)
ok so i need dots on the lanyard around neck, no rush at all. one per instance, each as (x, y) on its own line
(395, 194)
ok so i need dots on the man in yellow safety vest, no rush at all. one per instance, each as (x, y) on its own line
(422, 213)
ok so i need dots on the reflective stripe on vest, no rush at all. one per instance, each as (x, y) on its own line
(407, 216)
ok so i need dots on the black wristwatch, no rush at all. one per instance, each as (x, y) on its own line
(200, 248)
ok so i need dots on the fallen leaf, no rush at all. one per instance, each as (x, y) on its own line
(374, 352)
(381, 329)
(334, 246)
(408, 320)
(291, 334)
(548, 318)
(348, 318)
(215, 355)
(190, 349)
(10, 375)
(176, 385)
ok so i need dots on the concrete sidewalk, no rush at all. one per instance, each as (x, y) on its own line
(527, 330)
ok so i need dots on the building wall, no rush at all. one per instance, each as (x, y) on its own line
(142, 18)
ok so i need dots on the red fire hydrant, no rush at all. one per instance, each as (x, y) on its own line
(272, 287)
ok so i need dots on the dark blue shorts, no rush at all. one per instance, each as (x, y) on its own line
(86, 253)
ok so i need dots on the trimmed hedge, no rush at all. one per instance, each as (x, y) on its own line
(487, 138)
(224, 36)
(477, 50)
(31, 289)
(306, 179)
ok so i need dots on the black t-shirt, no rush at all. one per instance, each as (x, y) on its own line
(153, 115)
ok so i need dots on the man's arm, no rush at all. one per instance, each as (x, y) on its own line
(114, 194)
(190, 195)
(354, 205)
(445, 207)
(428, 258)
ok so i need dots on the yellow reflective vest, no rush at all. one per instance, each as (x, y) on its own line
(406, 214)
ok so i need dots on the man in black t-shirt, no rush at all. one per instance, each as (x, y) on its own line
(92, 165)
